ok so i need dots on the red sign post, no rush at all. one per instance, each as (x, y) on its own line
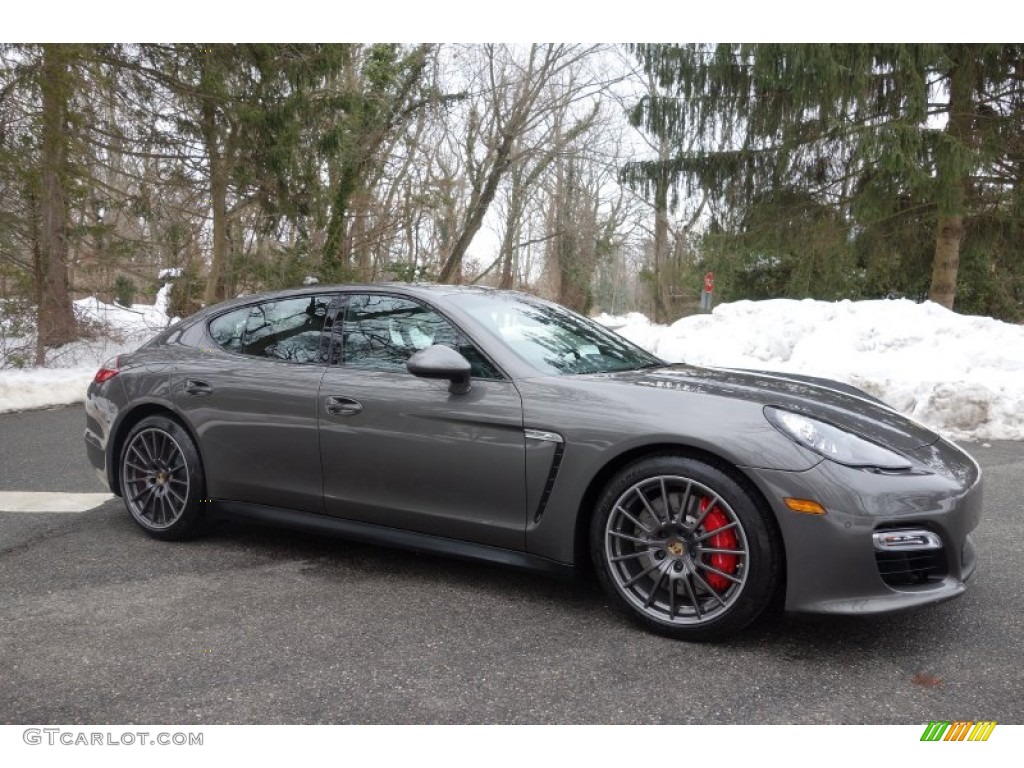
(707, 294)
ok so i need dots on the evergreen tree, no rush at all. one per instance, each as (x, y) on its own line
(248, 111)
(879, 145)
(42, 90)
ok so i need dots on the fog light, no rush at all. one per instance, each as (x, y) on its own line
(910, 540)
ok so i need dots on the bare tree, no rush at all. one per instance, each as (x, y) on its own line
(511, 104)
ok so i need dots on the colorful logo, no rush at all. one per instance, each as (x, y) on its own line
(959, 730)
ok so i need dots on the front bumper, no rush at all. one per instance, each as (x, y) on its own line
(831, 562)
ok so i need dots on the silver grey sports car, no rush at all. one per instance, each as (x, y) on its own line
(496, 426)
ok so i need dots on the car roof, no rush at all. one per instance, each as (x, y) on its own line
(423, 290)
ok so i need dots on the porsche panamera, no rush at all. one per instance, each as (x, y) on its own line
(495, 426)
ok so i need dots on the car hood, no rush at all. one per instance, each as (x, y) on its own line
(831, 401)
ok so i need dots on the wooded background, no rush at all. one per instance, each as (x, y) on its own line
(604, 177)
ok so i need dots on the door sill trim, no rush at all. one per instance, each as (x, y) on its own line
(391, 537)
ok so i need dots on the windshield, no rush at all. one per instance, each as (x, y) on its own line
(552, 338)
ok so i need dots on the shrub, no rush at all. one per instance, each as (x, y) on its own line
(124, 291)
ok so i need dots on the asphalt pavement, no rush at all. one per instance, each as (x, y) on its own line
(102, 624)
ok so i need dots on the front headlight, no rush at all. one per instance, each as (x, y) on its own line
(834, 443)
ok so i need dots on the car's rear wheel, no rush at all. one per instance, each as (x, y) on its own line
(162, 480)
(685, 548)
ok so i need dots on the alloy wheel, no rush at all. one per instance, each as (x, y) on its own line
(676, 550)
(156, 479)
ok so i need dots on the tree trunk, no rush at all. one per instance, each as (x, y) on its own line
(478, 206)
(37, 265)
(508, 243)
(660, 249)
(362, 253)
(56, 317)
(337, 252)
(572, 249)
(953, 173)
(660, 235)
(214, 291)
(947, 260)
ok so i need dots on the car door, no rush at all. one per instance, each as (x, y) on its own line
(250, 393)
(404, 452)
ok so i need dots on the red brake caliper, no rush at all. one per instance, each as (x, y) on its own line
(714, 520)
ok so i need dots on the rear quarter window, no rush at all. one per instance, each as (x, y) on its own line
(284, 329)
(227, 330)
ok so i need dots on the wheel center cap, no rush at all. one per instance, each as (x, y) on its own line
(676, 548)
(161, 478)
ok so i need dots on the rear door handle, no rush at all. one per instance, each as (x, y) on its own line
(197, 387)
(343, 406)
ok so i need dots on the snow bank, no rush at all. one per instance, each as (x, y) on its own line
(21, 390)
(116, 330)
(959, 374)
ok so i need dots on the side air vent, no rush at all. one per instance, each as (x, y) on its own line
(556, 463)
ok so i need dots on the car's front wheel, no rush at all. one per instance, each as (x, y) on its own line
(162, 480)
(685, 548)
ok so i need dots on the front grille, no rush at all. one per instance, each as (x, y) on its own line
(909, 569)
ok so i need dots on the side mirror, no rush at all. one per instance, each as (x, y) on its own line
(441, 362)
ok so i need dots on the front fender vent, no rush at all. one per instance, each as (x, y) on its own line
(556, 463)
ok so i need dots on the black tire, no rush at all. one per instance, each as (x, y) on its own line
(655, 565)
(162, 480)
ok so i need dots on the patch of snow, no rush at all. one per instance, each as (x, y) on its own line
(163, 300)
(169, 273)
(962, 375)
(310, 280)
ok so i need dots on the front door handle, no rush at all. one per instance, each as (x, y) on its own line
(343, 406)
(197, 387)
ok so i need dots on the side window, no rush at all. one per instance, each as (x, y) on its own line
(288, 329)
(382, 332)
(227, 330)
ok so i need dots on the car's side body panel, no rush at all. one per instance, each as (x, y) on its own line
(418, 457)
(601, 421)
(415, 541)
(256, 421)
